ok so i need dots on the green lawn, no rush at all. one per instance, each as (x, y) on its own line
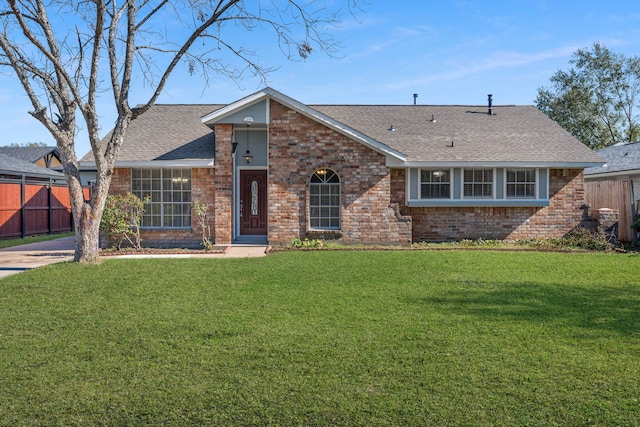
(325, 338)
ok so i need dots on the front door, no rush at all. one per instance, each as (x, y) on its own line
(253, 202)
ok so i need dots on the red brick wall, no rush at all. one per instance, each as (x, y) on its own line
(203, 190)
(299, 146)
(120, 181)
(224, 185)
(373, 198)
(561, 216)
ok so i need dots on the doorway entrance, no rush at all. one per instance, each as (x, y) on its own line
(253, 202)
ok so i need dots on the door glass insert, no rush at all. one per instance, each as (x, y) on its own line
(254, 197)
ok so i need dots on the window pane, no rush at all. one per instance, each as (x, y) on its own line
(169, 191)
(521, 183)
(478, 183)
(435, 184)
(324, 200)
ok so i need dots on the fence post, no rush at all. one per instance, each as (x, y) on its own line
(50, 190)
(23, 213)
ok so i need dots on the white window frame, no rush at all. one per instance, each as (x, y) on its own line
(325, 175)
(162, 204)
(463, 183)
(433, 171)
(536, 183)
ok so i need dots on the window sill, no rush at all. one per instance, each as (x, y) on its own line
(166, 228)
(463, 203)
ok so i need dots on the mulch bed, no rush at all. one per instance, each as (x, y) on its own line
(163, 251)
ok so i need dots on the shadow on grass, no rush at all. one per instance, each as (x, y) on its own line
(594, 308)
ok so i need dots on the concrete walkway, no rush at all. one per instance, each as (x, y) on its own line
(33, 255)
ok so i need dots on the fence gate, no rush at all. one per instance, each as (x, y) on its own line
(613, 195)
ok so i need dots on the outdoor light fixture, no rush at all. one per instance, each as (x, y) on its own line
(234, 145)
(248, 157)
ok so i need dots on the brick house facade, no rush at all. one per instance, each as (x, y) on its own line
(348, 173)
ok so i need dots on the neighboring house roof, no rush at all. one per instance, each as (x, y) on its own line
(28, 154)
(170, 133)
(405, 134)
(13, 166)
(620, 158)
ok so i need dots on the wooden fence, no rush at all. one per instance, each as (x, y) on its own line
(30, 207)
(613, 195)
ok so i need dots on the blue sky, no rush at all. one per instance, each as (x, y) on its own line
(448, 52)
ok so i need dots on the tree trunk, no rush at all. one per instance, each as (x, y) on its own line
(87, 230)
(86, 213)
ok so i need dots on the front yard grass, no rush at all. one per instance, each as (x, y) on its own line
(325, 338)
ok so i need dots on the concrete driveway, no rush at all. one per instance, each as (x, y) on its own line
(25, 257)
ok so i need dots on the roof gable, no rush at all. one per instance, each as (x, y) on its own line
(232, 110)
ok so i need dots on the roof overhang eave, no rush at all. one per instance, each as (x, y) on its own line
(27, 175)
(521, 164)
(599, 175)
(193, 163)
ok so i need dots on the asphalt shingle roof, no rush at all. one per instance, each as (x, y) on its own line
(28, 154)
(619, 157)
(13, 166)
(168, 132)
(511, 134)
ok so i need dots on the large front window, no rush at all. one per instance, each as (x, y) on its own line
(324, 200)
(169, 193)
(435, 184)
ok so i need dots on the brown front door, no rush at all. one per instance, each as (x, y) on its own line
(253, 202)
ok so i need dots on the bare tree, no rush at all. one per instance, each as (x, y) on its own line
(67, 53)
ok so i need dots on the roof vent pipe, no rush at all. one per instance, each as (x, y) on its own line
(490, 112)
(415, 98)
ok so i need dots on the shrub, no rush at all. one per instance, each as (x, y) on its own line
(591, 240)
(121, 219)
(200, 210)
(306, 243)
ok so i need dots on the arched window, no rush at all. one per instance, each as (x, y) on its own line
(324, 200)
